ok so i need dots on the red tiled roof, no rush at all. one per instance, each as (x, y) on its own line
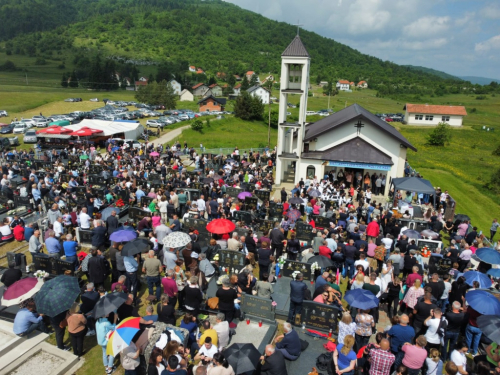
(343, 81)
(237, 86)
(198, 85)
(141, 83)
(192, 66)
(250, 73)
(436, 109)
(213, 85)
(361, 82)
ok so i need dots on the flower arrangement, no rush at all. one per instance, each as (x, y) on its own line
(119, 203)
(216, 257)
(41, 274)
(273, 305)
(315, 267)
(294, 274)
(426, 252)
(281, 261)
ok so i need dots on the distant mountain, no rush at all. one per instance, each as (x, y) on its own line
(434, 72)
(479, 80)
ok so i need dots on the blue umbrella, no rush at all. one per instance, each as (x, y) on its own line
(115, 148)
(361, 299)
(471, 276)
(123, 236)
(495, 272)
(488, 255)
(483, 302)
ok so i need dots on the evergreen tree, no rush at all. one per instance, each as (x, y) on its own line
(74, 81)
(245, 84)
(254, 80)
(212, 80)
(248, 107)
(151, 78)
(64, 80)
(231, 80)
(95, 74)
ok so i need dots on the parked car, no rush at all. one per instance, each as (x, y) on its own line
(388, 119)
(153, 123)
(28, 122)
(183, 117)
(30, 136)
(20, 128)
(6, 129)
(94, 100)
(6, 144)
(3, 113)
(42, 123)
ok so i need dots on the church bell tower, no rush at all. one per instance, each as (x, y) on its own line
(294, 83)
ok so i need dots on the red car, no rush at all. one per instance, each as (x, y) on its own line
(388, 119)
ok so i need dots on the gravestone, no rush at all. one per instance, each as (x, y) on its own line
(18, 259)
(61, 266)
(319, 316)
(192, 194)
(266, 225)
(321, 221)
(197, 185)
(246, 217)
(250, 203)
(96, 179)
(241, 231)
(145, 201)
(85, 236)
(257, 307)
(17, 182)
(291, 266)
(234, 260)
(276, 211)
(137, 214)
(233, 192)
(263, 195)
(42, 263)
(114, 180)
(22, 201)
(64, 177)
(304, 231)
(431, 244)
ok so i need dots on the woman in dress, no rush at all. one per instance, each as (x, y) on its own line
(346, 327)
(414, 293)
(386, 275)
(364, 328)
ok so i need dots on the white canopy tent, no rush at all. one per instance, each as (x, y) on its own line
(131, 130)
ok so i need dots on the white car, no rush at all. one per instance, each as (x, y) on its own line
(3, 113)
(42, 123)
(30, 136)
(153, 123)
(184, 117)
(20, 128)
(311, 113)
(28, 122)
(94, 100)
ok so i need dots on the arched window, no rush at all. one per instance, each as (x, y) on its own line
(311, 171)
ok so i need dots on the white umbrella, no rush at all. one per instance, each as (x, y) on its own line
(176, 239)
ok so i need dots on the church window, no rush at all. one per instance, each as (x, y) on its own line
(311, 171)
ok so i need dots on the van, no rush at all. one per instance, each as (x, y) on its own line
(310, 113)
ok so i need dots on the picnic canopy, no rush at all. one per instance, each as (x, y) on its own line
(416, 184)
(54, 129)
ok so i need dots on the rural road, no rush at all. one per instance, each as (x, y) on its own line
(170, 136)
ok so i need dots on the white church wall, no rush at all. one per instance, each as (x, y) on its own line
(301, 169)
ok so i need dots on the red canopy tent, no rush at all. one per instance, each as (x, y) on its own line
(54, 129)
(86, 132)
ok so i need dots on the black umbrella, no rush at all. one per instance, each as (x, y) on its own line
(207, 180)
(322, 261)
(295, 200)
(137, 246)
(108, 304)
(490, 325)
(242, 357)
(462, 217)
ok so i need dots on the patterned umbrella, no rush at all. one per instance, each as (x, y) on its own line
(122, 336)
(430, 234)
(314, 193)
(176, 239)
(410, 233)
(57, 295)
(220, 226)
(294, 214)
(244, 194)
(21, 290)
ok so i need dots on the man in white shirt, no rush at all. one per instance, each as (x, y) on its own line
(458, 357)
(222, 328)
(362, 261)
(169, 258)
(201, 205)
(387, 241)
(207, 351)
(84, 219)
(433, 322)
(330, 242)
(58, 227)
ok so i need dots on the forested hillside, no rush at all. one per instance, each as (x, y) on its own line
(214, 35)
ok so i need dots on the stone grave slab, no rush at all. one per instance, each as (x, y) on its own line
(234, 260)
(281, 295)
(319, 316)
(291, 266)
(250, 203)
(263, 195)
(257, 307)
(307, 359)
(253, 334)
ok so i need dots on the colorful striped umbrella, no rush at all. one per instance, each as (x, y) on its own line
(122, 336)
(21, 290)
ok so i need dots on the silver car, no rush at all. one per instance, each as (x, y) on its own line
(30, 136)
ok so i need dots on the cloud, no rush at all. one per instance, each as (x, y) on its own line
(426, 27)
(491, 11)
(492, 43)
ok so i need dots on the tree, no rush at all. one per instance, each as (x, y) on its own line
(248, 107)
(64, 80)
(231, 81)
(274, 119)
(254, 80)
(73, 80)
(157, 94)
(212, 80)
(245, 84)
(440, 135)
(197, 125)
(496, 151)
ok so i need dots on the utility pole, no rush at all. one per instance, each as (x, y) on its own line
(269, 124)
(27, 79)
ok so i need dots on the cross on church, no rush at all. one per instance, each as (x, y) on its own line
(298, 25)
(358, 126)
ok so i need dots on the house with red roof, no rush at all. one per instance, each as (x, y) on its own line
(250, 74)
(216, 89)
(237, 89)
(343, 85)
(141, 82)
(200, 71)
(362, 85)
(210, 103)
(192, 68)
(200, 89)
(425, 114)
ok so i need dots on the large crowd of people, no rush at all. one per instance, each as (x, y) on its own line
(431, 329)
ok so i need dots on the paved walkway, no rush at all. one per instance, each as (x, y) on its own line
(170, 136)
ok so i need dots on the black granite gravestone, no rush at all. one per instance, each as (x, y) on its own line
(276, 211)
(42, 263)
(145, 201)
(250, 203)
(18, 259)
(234, 260)
(246, 217)
(263, 195)
(64, 177)
(233, 192)
(266, 225)
(291, 266)
(321, 221)
(85, 236)
(257, 307)
(197, 185)
(304, 231)
(319, 316)
(22, 201)
(61, 266)
(137, 214)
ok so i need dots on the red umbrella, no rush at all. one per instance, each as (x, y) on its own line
(54, 129)
(21, 290)
(220, 226)
(86, 132)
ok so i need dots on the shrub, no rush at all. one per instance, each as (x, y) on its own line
(207, 123)
(481, 97)
(197, 125)
(473, 110)
(440, 135)
(496, 151)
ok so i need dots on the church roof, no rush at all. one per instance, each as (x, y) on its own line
(348, 114)
(355, 150)
(296, 49)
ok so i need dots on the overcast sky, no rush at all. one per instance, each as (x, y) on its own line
(460, 37)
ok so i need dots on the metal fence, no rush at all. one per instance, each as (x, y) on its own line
(228, 150)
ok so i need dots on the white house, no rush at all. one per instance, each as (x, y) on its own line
(186, 96)
(237, 89)
(425, 114)
(260, 92)
(343, 85)
(176, 86)
(352, 139)
(192, 68)
(362, 85)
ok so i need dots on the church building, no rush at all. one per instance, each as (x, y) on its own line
(352, 139)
